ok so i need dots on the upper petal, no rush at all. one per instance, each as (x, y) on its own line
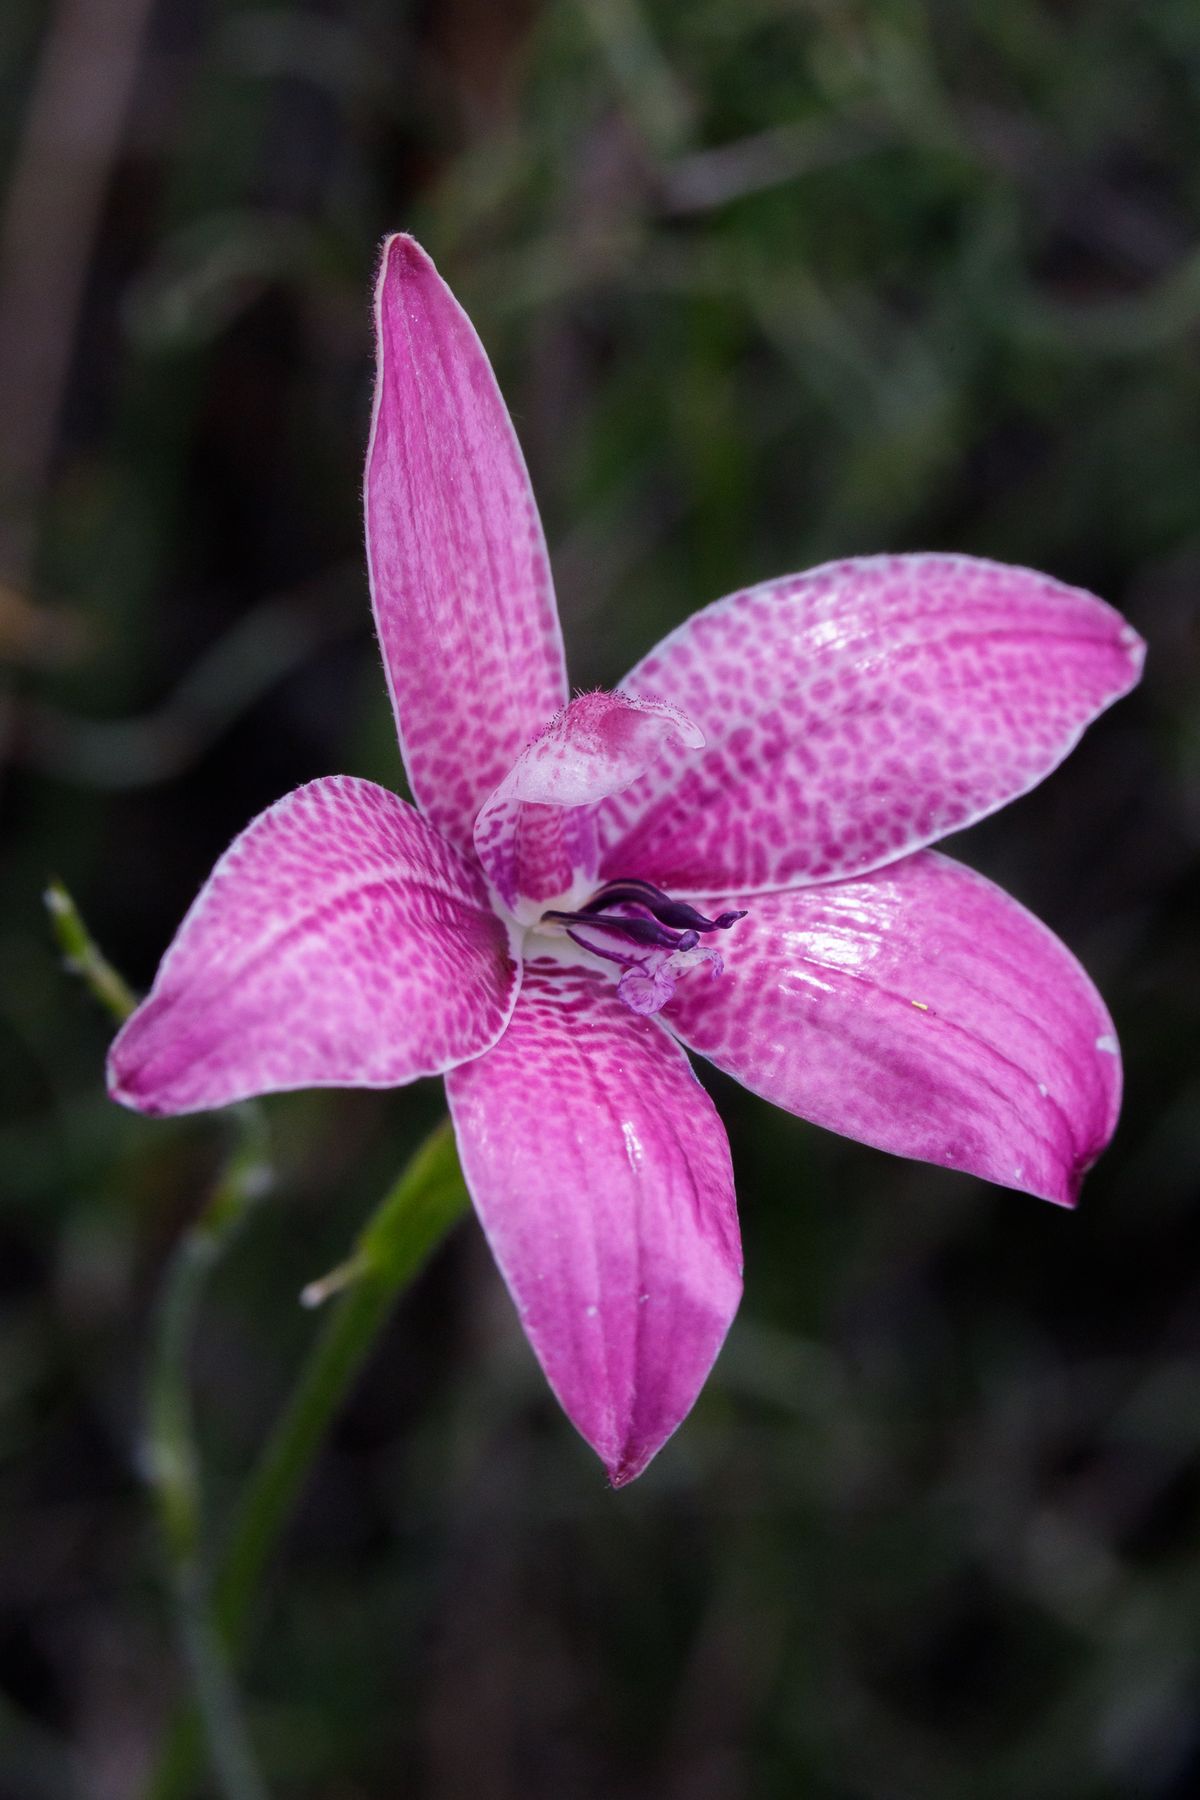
(536, 835)
(922, 1010)
(860, 711)
(601, 1174)
(338, 942)
(460, 580)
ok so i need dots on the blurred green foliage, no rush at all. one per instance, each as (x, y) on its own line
(765, 281)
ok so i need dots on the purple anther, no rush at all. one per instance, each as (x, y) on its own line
(652, 938)
(637, 930)
(628, 891)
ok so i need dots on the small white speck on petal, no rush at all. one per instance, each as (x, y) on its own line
(633, 1146)
(592, 1311)
(1107, 1043)
(1043, 1090)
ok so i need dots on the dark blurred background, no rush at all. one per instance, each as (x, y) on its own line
(765, 282)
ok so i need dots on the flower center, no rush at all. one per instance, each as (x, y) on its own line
(653, 938)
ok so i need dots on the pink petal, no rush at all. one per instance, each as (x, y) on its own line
(339, 942)
(922, 1010)
(600, 1172)
(860, 711)
(460, 581)
(536, 835)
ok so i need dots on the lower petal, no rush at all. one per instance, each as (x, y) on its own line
(600, 1171)
(339, 942)
(922, 1010)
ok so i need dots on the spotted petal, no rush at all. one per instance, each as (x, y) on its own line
(601, 1174)
(856, 713)
(922, 1010)
(460, 581)
(338, 942)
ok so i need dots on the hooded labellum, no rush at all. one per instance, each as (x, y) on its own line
(727, 856)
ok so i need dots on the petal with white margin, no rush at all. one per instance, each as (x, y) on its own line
(600, 1171)
(460, 579)
(338, 942)
(921, 1010)
(856, 713)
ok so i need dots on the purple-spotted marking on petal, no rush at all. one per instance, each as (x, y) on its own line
(653, 938)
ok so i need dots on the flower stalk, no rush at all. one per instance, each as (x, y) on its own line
(412, 1219)
(215, 1600)
(172, 1462)
(82, 956)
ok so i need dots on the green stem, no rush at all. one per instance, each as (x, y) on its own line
(217, 1705)
(172, 1462)
(215, 1613)
(83, 958)
(411, 1220)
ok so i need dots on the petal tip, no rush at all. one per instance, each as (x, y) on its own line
(632, 1459)
(128, 1067)
(122, 1085)
(1075, 1176)
(621, 1474)
(402, 255)
(1066, 1198)
(1134, 646)
(1063, 1187)
(117, 1089)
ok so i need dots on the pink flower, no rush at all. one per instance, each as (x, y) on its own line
(543, 931)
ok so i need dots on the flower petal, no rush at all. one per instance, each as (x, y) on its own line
(339, 942)
(921, 1010)
(860, 711)
(536, 835)
(460, 580)
(600, 1172)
